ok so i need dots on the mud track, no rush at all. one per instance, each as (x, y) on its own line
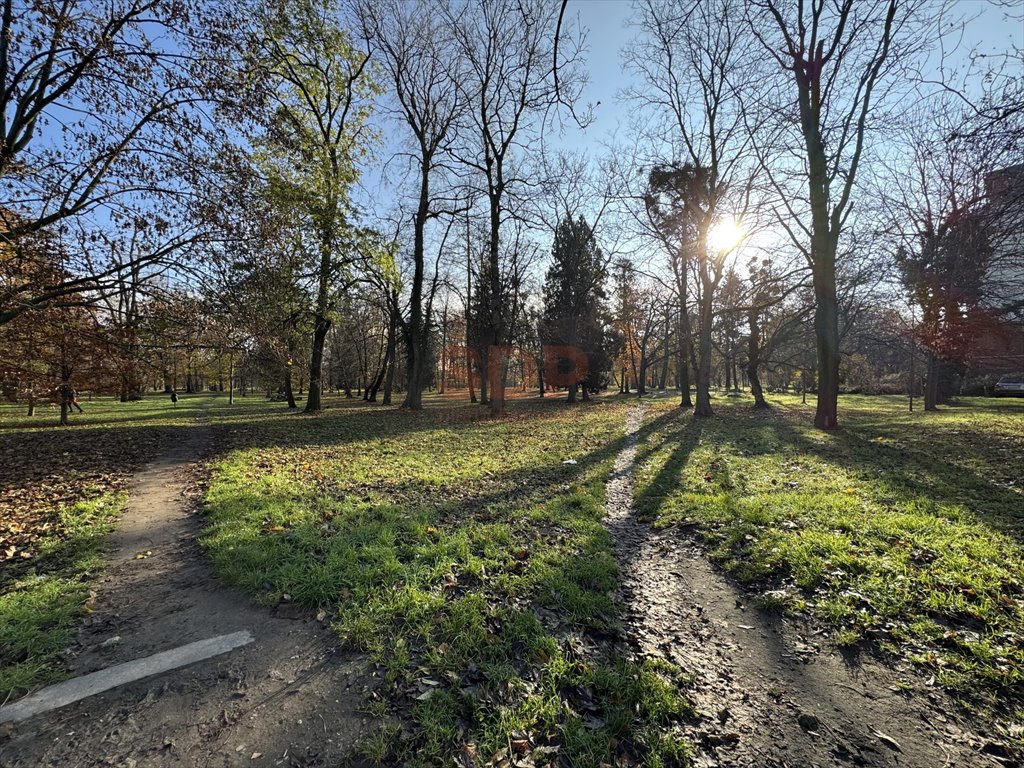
(289, 698)
(770, 694)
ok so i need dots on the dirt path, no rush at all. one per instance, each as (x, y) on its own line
(285, 699)
(770, 696)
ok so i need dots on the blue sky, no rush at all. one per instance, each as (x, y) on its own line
(988, 30)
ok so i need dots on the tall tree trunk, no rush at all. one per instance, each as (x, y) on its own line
(826, 328)
(683, 361)
(321, 322)
(484, 375)
(496, 330)
(389, 378)
(683, 330)
(703, 405)
(370, 395)
(321, 325)
(288, 393)
(753, 358)
(469, 374)
(417, 329)
(469, 313)
(540, 369)
(444, 351)
(391, 353)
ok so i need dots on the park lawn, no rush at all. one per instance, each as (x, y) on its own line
(61, 491)
(42, 601)
(468, 559)
(900, 532)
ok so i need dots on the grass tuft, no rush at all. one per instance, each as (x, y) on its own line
(40, 606)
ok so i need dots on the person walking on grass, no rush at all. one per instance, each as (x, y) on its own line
(174, 397)
(68, 399)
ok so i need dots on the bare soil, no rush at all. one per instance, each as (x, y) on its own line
(289, 698)
(771, 693)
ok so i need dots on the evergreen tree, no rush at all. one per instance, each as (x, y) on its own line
(573, 305)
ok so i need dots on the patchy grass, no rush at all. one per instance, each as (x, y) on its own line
(41, 602)
(469, 561)
(60, 492)
(155, 409)
(45, 468)
(902, 532)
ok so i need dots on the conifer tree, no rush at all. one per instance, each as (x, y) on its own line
(573, 306)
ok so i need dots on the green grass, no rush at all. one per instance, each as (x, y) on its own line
(60, 491)
(152, 411)
(901, 532)
(41, 603)
(468, 561)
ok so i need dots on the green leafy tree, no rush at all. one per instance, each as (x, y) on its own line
(319, 93)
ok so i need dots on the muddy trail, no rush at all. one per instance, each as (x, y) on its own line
(770, 693)
(286, 698)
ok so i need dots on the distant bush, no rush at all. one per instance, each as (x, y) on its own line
(978, 385)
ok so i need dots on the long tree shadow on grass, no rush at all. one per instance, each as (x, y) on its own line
(909, 470)
(495, 599)
(892, 545)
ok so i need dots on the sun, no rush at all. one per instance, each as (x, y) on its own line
(725, 235)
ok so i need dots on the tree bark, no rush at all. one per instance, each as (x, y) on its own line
(417, 329)
(496, 331)
(390, 356)
(288, 393)
(683, 359)
(702, 408)
(469, 374)
(444, 352)
(321, 326)
(826, 328)
(484, 375)
(753, 358)
(641, 379)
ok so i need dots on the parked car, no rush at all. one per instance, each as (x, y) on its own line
(1009, 386)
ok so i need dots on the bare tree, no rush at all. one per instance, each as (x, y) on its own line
(509, 83)
(101, 111)
(694, 64)
(835, 62)
(419, 54)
